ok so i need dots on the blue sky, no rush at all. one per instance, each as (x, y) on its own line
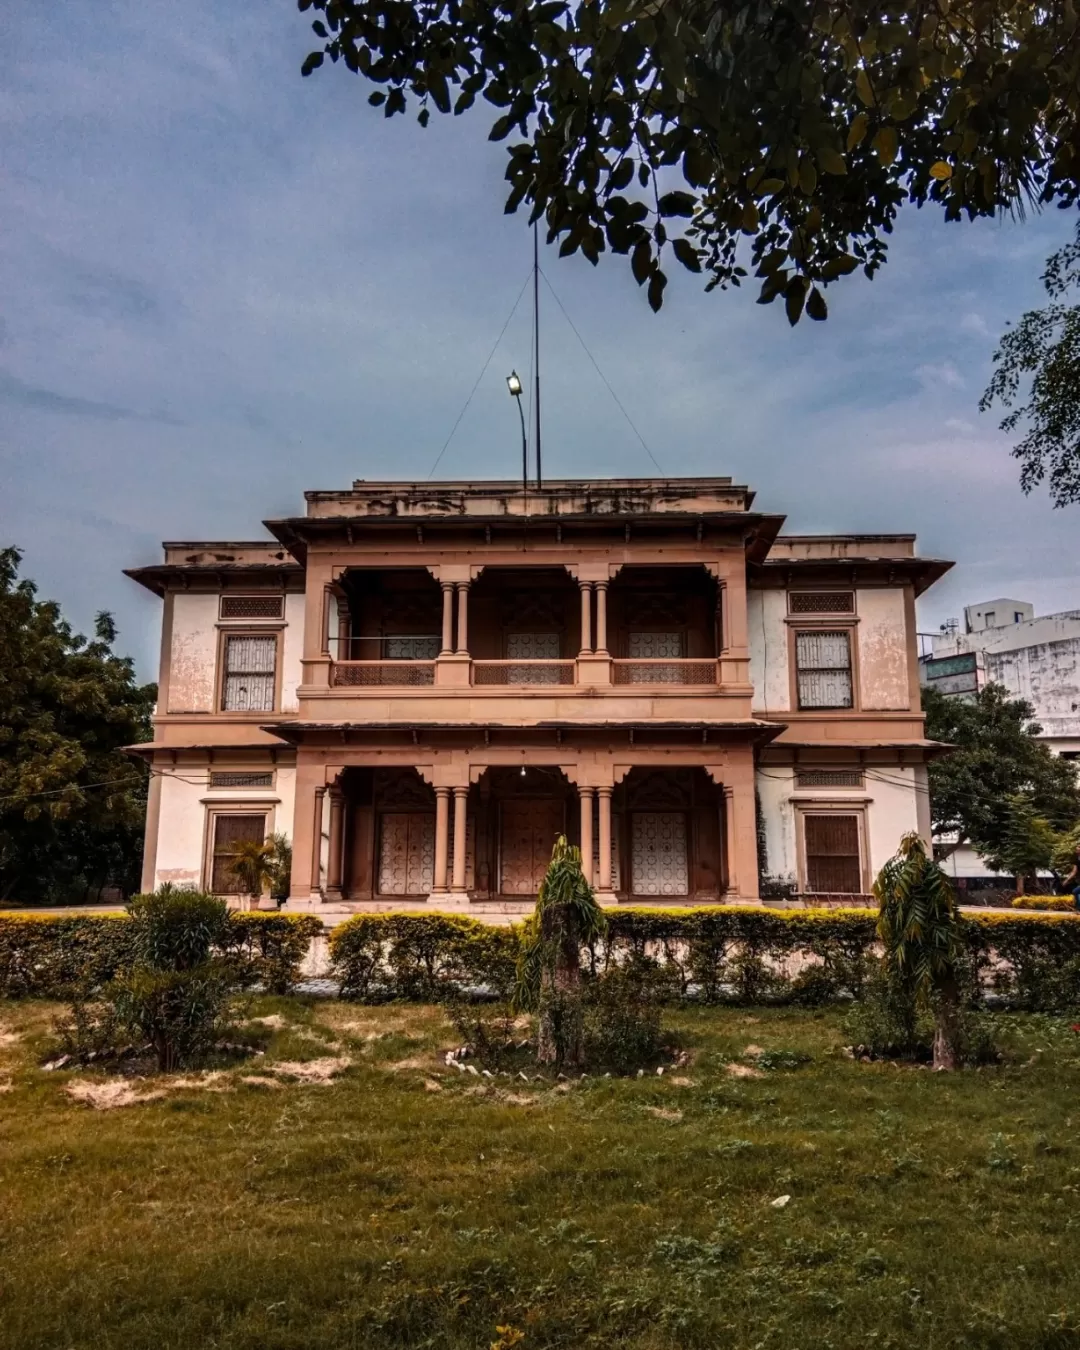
(224, 284)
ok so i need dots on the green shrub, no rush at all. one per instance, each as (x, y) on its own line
(623, 1023)
(50, 957)
(182, 1013)
(1062, 903)
(268, 949)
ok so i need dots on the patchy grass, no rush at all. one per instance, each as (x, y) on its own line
(391, 1201)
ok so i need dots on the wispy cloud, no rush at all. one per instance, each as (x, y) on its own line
(25, 395)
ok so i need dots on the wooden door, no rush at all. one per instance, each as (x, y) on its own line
(658, 854)
(406, 853)
(529, 827)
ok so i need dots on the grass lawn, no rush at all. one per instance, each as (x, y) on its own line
(404, 1203)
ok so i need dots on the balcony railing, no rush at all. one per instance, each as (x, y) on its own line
(662, 670)
(350, 674)
(523, 672)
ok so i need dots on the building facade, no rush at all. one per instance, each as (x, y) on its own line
(423, 685)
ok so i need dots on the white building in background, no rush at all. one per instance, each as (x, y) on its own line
(1037, 659)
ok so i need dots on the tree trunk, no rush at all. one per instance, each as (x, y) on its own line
(560, 1039)
(947, 1026)
(1020, 881)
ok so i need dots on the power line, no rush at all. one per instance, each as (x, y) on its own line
(479, 377)
(599, 372)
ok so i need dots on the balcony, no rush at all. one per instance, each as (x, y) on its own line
(664, 670)
(524, 672)
(392, 674)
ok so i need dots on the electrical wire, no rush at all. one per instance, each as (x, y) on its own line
(479, 377)
(596, 367)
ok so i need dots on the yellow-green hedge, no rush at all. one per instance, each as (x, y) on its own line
(1060, 903)
(48, 956)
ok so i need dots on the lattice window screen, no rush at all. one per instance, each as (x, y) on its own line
(658, 863)
(812, 778)
(832, 854)
(656, 646)
(823, 661)
(241, 780)
(411, 648)
(821, 602)
(249, 673)
(252, 606)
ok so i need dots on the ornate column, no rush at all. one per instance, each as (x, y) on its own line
(729, 840)
(586, 796)
(586, 616)
(442, 837)
(462, 618)
(316, 836)
(447, 618)
(603, 874)
(337, 841)
(461, 798)
(601, 618)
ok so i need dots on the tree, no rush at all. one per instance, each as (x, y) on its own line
(1029, 844)
(549, 974)
(72, 803)
(918, 925)
(996, 760)
(779, 135)
(1045, 346)
(263, 867)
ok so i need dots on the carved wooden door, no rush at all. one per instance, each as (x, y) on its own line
(658, 862)
(406, 853)
(529, 827)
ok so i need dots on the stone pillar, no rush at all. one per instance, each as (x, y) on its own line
(316, 840)
(601, 618)
(586, 616)
(586, 796)
(462, 618)
(337, 844)
(306, 846)
(150, 836)
(603, 873)
(447, 618)
(461, 797)
(729, 841)
(442, 836)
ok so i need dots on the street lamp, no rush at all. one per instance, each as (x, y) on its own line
(513, 383)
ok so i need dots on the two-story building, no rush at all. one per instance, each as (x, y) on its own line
(423, 685)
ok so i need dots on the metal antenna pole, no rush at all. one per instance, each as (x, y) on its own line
(536, 341)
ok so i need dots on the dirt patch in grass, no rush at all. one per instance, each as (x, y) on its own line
(665, 1113)
(6, 1085)
(262, 1080)
(274, 1021)
(111, 1095)
(312, 1070)
(743, 1071)
(9, 1037)
(422, 1062)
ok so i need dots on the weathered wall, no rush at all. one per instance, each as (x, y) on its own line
(893, 810)
(769, 672)
(193, 655)
(186, 797)
(292, 650)
(883, 656)
(774, 788)
(1048, 676)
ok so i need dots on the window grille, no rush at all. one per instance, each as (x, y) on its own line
(252, 606)
(529, 647)
(241, 780)
(229, 833)
(823, 666)
(654, 646)
(829, 778)
(821, 602)
(250, 668)
(411, 648)
(833, 862)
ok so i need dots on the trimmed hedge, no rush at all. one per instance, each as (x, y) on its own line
(1062, 903)
(48, 957)
(738, 954)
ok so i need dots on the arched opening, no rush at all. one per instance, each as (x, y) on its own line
(668, 835)
(520, 812)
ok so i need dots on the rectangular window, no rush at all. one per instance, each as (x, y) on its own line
(821, 602)
(829, 778)
(655, 646)
(250, 669)
(833, 861)
(230, 831)
(823, 666)
(242, 780)
(411, 648)
(252, 606)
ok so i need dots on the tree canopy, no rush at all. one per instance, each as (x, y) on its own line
(773, 136)
(71, 803)
(998, 765)
(1044, 348)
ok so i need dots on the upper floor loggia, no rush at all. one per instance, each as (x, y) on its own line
(453, 600)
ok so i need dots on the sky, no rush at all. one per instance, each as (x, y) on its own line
(224, 284)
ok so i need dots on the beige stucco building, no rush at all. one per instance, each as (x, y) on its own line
(423, 684)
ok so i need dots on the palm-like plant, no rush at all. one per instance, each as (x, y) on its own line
(253, 867)
(549, 971)
(918, 924)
